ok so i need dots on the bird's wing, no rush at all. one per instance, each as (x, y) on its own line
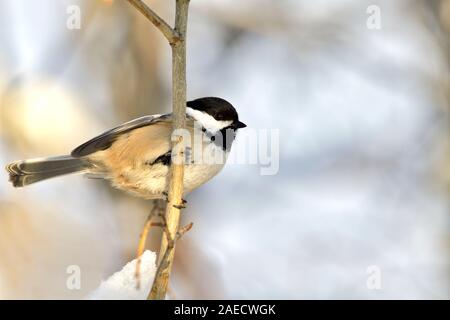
(105, 140)
(140, 146)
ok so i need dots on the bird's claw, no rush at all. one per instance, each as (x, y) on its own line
(178, 206)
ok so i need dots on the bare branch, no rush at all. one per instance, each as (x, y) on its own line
(172, 218)
(157, 211)
(184, 229)
(171, 35)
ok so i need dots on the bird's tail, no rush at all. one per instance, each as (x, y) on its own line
(23, 173)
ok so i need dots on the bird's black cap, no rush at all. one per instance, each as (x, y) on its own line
(218, 108)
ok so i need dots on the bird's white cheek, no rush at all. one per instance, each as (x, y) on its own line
(208, 122)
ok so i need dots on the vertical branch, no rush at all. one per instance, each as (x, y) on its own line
(167, 251)
(170, 34)
(177, 40)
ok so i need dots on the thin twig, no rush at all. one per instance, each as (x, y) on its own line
(157, 210)
(166, 260)
(171, 35)
(172, 217)
(177, 41)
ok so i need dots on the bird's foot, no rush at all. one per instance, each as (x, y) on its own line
(178, 206)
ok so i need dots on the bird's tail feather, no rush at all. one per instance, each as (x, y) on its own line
(26, 172)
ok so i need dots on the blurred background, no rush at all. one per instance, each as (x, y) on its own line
(363, 120)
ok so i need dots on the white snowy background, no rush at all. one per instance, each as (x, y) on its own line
(363, 166)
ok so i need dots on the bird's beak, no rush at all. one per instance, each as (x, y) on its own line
(239, 125)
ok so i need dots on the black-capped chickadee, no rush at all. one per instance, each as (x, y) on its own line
(136, 155)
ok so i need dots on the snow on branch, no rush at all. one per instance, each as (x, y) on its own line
(123, 284)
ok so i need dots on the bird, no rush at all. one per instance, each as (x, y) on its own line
(135, 156)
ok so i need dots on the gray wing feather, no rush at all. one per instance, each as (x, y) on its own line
(105, 140)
